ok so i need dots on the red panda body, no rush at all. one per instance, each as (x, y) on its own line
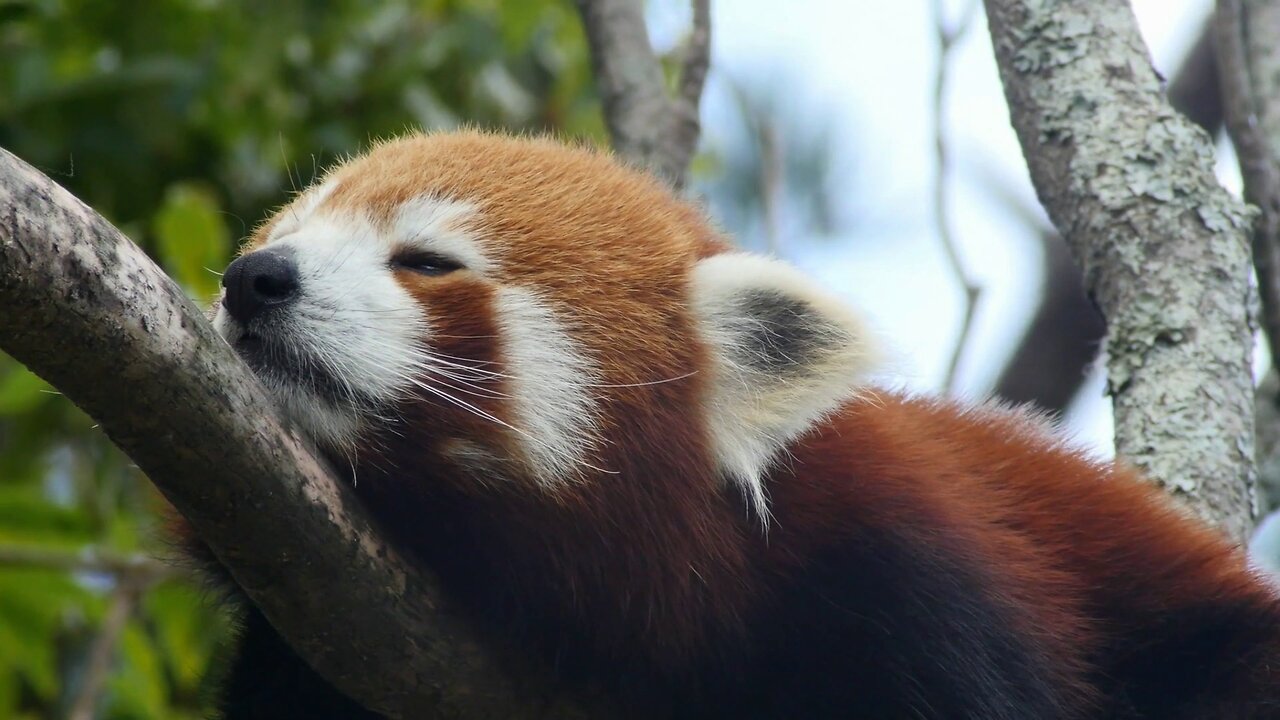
(652, 466)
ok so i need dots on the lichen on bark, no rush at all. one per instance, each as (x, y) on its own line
(1164, 249)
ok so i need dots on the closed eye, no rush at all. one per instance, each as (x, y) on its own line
(424, 263)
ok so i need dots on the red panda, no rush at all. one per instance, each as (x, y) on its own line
(654, 465)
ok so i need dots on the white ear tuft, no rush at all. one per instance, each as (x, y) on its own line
(784, 355)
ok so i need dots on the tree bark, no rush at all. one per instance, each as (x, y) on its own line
(1129, 184)
(1053, 356)
(1249, 71)
(649, 126)
(1248, 41)
(87, 310)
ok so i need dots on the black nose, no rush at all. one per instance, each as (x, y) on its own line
(259, 281)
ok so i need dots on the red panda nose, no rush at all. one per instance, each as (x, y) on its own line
(259, 281)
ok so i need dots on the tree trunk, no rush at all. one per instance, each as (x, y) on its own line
(1053, 357)
(1129, 183)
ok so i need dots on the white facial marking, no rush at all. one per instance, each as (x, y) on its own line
(301, 210)
(355, 320)
(326, 422)
(784, 355)
(439, 226)
(351, 317)
(550, 379)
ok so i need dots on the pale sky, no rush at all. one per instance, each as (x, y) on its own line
(870, 65)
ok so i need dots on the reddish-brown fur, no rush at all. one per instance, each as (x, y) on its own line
(656, 580)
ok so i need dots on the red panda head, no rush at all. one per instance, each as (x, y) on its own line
(543, 315)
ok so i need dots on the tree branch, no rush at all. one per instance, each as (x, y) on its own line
(87, 310)
(649, 127)
(1248, 64)
(104, 644)
(88, 559)
(1247, 35)
(693, 76)
(1129, 184)
(947, 35)
(1054, 354)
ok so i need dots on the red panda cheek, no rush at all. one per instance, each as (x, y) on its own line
(461, 325)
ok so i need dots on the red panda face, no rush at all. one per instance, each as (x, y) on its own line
(555, 311)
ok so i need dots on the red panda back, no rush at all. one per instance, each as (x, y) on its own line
(1140, 607)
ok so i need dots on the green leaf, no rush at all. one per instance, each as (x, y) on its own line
(138, 689)
(21, 390)
(27, 516)
(187, 630)
(8, 680)
(193, 238)
(33, 604)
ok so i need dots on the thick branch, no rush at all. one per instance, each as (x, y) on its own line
(649, 126)
(1129, 184)
(697, 59)
(87, 310)
(1053, 356)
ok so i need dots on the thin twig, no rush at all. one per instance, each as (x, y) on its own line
(763, 130)
(947, 37)
(123, 600)
(133, 572)
(86, 559)
(772, 179)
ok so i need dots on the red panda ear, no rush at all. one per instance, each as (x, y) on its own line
(784, 355)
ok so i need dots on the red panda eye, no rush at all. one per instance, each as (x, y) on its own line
(424, 263)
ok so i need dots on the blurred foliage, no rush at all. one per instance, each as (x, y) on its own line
(184, 122)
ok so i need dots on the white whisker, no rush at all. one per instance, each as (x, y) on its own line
(689, 374)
